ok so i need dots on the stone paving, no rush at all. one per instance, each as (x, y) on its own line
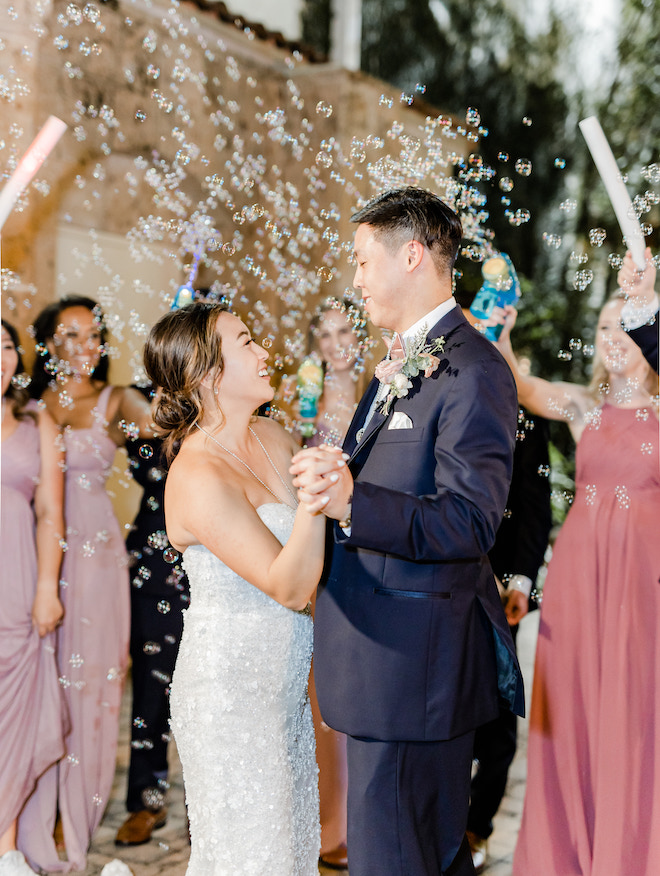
(168, 851)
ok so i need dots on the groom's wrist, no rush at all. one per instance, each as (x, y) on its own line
(345, 522)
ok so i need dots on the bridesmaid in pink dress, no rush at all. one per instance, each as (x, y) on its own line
(337, 333)
(92, 642)
(592, 805)
(31, 705)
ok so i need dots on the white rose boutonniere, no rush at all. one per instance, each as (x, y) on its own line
(399, 373)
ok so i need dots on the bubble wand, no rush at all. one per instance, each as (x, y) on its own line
(611, 176)
(185, 294)
(35, 156)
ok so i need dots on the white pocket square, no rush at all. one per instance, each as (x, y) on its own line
(400, 421)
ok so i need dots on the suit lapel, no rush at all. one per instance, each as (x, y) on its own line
(351, 445)
(350, 441)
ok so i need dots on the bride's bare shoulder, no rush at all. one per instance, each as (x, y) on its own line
(273, 432)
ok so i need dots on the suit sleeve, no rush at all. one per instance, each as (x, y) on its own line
(646, 337)
(473, 452)
(522, 538)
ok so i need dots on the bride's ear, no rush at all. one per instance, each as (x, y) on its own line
(210, 381)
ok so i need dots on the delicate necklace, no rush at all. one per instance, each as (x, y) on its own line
(252, 472)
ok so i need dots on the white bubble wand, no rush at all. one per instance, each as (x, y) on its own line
(616, 189)
(38, 151)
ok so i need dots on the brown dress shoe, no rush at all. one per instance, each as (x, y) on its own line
(337, 859)
(139, 826)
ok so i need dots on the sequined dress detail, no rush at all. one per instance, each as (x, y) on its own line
(242, 722)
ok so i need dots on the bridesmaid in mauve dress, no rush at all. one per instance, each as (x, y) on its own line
(31, 704)
(92, 642)
(592, 804)
(337, 333)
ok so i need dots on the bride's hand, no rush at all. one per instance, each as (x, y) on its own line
(322, 479)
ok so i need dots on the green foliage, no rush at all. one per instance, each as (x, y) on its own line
(480, 53)
(316, 16)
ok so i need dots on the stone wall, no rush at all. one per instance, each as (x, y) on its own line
(179, 125)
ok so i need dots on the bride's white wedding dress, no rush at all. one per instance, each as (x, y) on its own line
(242, 723)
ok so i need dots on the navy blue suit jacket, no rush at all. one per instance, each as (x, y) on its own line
(646, 337)
(411, 641)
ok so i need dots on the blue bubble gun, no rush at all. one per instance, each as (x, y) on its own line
(310, 386)
(500, 287)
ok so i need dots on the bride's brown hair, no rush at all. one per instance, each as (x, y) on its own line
(183, 347)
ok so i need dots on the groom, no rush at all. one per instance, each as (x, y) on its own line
(412, 649)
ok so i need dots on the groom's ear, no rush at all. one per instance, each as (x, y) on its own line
(414, 253)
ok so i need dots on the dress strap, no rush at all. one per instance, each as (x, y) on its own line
(101, 406)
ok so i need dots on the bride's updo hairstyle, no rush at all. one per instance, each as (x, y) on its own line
(182, 348)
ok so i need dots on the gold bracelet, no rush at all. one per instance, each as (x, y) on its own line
(346, 522)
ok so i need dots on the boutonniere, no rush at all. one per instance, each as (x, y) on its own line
(399, 373)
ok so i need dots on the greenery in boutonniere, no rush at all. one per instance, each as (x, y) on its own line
(398, 373)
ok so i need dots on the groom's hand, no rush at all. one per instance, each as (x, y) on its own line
(323, 470)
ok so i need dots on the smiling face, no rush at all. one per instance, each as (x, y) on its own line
(244, 375)
(381, 277)
(618, 352)
(337, 341)
(9, 360)
(77, 340)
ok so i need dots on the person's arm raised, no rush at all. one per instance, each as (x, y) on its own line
(555, 400)
(212, 512)
(131, 417)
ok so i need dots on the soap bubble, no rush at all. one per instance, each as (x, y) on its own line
(323, 159)
(473, 117)
(523, 166)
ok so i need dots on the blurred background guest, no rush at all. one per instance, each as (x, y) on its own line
(70, 376)
(594, 736)
(32, 717)
(159, 593)
(338, 340)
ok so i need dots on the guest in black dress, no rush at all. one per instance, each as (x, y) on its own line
(159, 594)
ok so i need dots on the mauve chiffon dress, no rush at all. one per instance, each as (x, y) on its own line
(92, 643)
(32, 715)
(592, 804)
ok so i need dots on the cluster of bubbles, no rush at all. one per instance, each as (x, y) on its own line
(266, 243)
(250, 182)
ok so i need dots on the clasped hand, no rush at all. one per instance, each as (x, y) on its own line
(638, 285)
(321, 473)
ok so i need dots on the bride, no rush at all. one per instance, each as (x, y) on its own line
(253, 555)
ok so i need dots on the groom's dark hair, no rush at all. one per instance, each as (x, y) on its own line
(415, 214)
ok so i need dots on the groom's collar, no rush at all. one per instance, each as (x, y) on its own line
(426, 323)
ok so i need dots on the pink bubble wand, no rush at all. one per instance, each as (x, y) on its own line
(35, 156)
